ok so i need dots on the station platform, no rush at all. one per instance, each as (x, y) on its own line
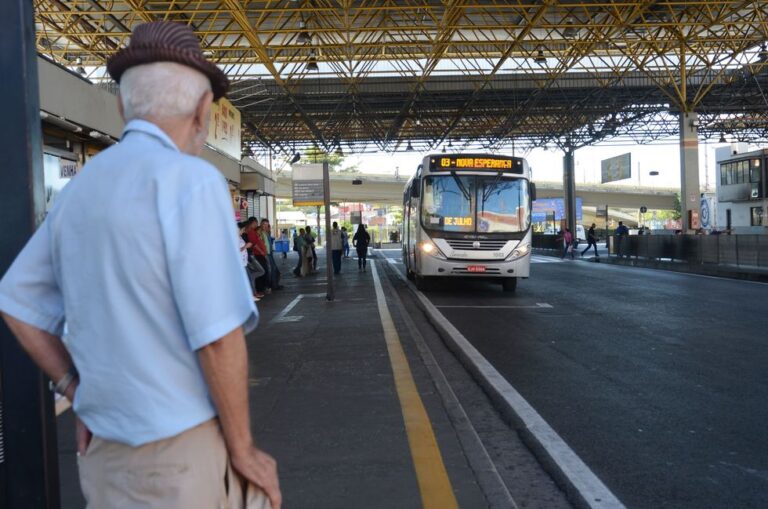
(342, 398)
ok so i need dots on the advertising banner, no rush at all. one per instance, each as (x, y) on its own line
(224, 129)
(616, 168)
(307, 185)
(543, 208)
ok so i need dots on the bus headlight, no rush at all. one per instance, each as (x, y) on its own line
(429, 248)
(520, 251)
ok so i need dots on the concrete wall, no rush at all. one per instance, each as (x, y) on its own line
(76, 100)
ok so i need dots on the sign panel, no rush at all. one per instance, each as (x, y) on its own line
(307, 184)
(616, 168)
(224, 129)
(355, 217)
(543, 208)
(505, 164)
(68, 169)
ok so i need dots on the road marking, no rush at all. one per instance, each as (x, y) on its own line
(553, 450)
(282, 316)
(545, 259)
(434, 485)
(538, 305)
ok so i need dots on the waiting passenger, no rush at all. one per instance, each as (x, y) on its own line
(361, 241)
(336, 246)
(310, 243)
(155, 359)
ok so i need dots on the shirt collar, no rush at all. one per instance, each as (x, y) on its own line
(146, 127)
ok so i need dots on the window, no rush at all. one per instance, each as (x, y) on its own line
(756, 215)
(754, 171)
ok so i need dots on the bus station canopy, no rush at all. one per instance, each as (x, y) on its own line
(424, 74)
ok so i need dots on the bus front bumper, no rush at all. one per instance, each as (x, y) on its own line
(432, 266)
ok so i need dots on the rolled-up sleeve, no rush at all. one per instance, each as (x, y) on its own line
(29, 290)
(210, 287)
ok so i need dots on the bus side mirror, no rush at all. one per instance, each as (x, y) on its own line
(533, 191)
(416, 188)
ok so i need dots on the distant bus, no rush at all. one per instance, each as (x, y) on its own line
(468, 215)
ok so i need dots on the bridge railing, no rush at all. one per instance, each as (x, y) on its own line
(744, 251)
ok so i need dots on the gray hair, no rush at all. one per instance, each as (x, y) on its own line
(161, 90)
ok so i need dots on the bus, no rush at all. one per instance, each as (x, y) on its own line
(468, 215)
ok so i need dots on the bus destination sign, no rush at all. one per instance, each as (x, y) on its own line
(472, 163)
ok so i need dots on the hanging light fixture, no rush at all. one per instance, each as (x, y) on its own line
(312, 64)
(722, 138)
(409, 148)
(295, 158)
(540, 58)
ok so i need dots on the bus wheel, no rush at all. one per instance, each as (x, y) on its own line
(509, 284)
(422, 283)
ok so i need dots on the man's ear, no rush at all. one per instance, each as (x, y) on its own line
(120, 106)
(203, 111)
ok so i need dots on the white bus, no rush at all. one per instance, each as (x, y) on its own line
(468, 215)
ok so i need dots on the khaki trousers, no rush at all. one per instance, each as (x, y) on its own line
(187, 471)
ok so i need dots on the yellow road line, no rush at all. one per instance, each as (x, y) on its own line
(434, 485)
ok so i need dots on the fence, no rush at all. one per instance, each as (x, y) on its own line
(749, 251)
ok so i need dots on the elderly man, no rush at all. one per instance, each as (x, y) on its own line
(142, 326)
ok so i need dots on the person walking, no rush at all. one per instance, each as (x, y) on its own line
(345, 241)
(336, 246)
(567, 243)
(311, 253)
(361, 241)
(621, 233)
(153, 353)
(299, 246)
(591, 241)
(274, 272)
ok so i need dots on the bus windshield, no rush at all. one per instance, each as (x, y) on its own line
(474, 203)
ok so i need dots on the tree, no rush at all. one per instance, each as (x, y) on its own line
(335, 161)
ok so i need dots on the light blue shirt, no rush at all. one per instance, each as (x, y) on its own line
(139, 258)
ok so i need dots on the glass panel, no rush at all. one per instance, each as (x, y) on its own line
(757, 216)
(502, 205)
(448, 203)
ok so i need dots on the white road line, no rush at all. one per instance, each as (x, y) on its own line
(281, 317)
(552, 449)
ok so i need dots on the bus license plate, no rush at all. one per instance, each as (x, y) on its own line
(476, 268)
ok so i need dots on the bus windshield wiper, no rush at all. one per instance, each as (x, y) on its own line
(461, 186)
(488, 191)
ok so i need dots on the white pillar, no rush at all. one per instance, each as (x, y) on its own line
(690, 192)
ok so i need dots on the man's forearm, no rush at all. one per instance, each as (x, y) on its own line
(225, 366)
(45, 349)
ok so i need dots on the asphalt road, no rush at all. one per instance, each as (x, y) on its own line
(657, 380)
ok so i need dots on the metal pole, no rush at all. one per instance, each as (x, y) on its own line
(569, 189)
(328, 253)
(28, 453)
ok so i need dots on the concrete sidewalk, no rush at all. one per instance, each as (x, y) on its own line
(325, 404)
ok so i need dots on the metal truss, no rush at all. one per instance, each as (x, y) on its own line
(425, 74)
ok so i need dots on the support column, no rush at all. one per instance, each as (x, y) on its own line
(29, 459)
(569, 188)
(690, 193)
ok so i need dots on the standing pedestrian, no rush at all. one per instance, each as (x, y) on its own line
(274, 272)
(247, 260)
(345, 241)
(310, 243)
(259, 252)
(336, 246)
(621, 233)
(361, 241)
(298, 246)
(567, 243)
(154, 357)
(285, 240)
(591, 240)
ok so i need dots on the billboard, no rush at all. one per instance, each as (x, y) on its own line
(543, 208)
(224, 129)
(616, 168)
(307, 184)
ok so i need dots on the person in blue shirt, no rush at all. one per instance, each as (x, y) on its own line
(142, 326)
(621, 232)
